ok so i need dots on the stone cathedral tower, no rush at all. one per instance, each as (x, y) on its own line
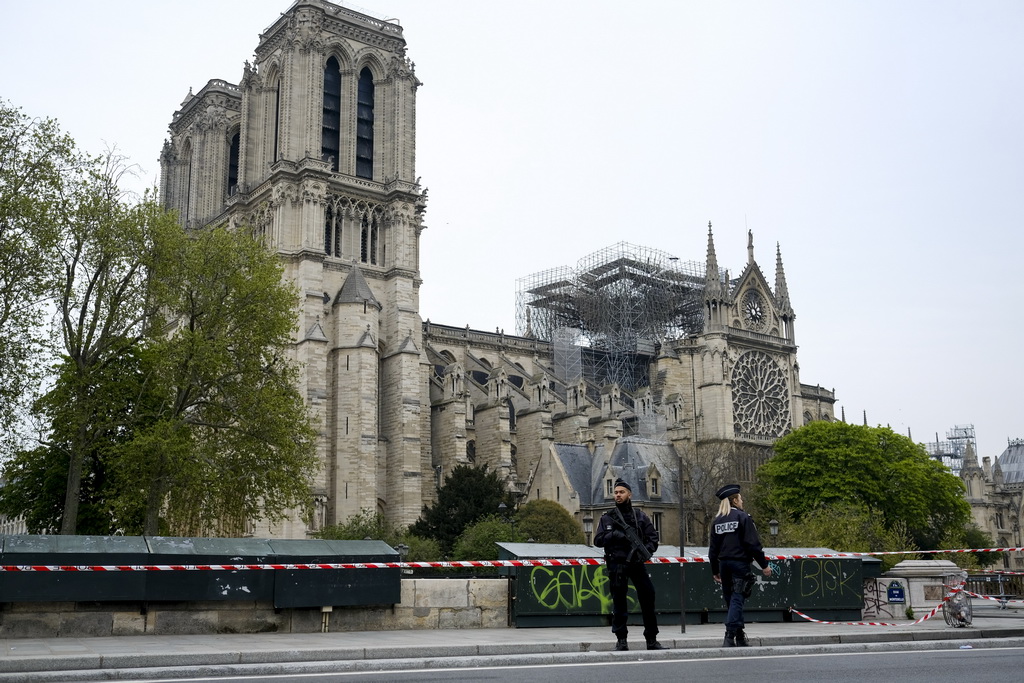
(314, 150)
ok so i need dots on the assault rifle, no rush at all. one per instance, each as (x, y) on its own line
(631, 536)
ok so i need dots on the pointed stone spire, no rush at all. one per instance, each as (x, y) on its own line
(356, 291)
(970, 456)
(712, 278)
(969, 465)
(865, 418)
(997, 474)
(781, 288)
(750, 247)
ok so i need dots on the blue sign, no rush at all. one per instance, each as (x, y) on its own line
(895, 593)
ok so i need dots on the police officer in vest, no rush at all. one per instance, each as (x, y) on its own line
(734, 545)
(629, 539)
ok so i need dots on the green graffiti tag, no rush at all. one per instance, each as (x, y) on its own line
(571, 587)
(826, 577)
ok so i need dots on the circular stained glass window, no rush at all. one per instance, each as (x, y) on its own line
(760, 396)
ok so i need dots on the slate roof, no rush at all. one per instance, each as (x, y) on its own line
(631, 460)
(355, 290)
(1011, 462)
(579, 466)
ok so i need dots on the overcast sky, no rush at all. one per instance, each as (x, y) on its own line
(880, 143)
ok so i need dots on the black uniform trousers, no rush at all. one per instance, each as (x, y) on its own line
(620, 574)
(737, 579)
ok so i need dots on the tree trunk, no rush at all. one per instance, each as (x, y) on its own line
(154, 501)
(69, 521)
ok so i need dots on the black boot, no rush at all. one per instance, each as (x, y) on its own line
(730, 639)
(655, 645)
(741, 639)
(621, 645)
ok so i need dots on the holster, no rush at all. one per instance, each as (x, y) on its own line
(616, 575)
(744, 585)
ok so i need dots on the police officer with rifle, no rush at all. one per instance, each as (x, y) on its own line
(629, 540)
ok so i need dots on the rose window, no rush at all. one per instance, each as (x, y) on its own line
(760, 396)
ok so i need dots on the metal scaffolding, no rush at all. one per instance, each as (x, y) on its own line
(951, 452)
(622, 300)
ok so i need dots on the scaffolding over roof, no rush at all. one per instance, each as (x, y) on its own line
(951, 452)
(621, 301)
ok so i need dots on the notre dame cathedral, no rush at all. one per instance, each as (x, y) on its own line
(625, 365)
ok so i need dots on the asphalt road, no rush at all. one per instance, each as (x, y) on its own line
(978, 665)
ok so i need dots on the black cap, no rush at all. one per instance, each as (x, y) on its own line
(727, 490)
(619, 482)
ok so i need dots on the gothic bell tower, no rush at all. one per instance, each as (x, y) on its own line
(314, 151)
(750, 385)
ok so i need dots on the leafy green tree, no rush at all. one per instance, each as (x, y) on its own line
(970, 537)
(846, 527)
(232, 433)
(374, 525)
(826, 464)
(467, 495)
(105, 252)
(34, 484)
(363, 525)
(545, 521)
(37, 478)
(707, 466)
(175, 408)
(37, 161)
(478, 541)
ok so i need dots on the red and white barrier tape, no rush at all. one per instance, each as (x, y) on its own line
(992, 597)
(894, 552)
(864, 623)
(453, 564)
(1005, 572)
(923, 619)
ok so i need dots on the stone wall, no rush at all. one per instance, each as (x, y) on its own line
(926, 581)
(425, 603)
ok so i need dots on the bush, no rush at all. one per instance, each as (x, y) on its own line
(545, 521)
(479, 541)
(374, 526)
(468, 495)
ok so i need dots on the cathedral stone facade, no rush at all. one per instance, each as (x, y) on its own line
(314, 151)
(995, 491)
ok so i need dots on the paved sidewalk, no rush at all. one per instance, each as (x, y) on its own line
(147, 657)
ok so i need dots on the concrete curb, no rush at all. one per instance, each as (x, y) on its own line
(95, 667)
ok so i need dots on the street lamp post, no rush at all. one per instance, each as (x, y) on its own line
(773, 528)
(588, 526)
(510, 518)
(403, 553)
(682, 545)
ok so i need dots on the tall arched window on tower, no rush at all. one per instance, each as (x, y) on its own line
(364, 126)
(368, 240)
(330, 144)
(332, 231)
(277, 121)
(186, 158)
(374, 241)
(233, 163)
